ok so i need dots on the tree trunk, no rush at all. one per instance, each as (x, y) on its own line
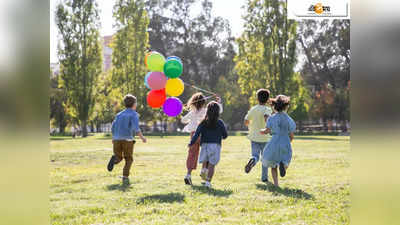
(84, 128)
(61, 127)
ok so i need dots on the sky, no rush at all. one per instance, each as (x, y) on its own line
(228, 9)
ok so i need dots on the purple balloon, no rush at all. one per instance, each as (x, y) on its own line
(172, 106)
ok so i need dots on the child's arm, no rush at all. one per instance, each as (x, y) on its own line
(112, 130)
(136, 128)
(196, 135)
(224, 132)
(247, 118)
(265, 131)
(187, 118)
(291, 135)
(141, 136)
(221, 108)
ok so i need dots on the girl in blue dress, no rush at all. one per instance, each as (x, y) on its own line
(278, 151)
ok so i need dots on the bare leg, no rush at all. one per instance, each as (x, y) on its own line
(274, 172)
(211, 168)
(189, 171)
(205, 165)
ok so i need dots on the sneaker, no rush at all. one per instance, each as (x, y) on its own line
(110, 165)
(125, 181)
(282, 169)
(207, 184)
(188, 180)
(249, 165)
(265, 181)
(204, 174)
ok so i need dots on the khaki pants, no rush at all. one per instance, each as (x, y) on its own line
(124, 150)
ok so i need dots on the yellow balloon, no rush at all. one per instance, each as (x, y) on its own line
(174, 87)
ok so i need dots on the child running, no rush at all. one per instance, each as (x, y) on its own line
(123, 129)
(211, 132)
(197, 106)
(256, 119)
(281, 126)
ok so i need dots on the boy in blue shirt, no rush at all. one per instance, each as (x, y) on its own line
(124, 128)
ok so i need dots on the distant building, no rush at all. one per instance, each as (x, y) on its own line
(107, 53)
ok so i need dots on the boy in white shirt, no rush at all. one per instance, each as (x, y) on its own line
(256, 119)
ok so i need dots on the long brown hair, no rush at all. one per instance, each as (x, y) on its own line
(212, 115)
(197, 101)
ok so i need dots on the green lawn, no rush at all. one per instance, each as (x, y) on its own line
(316, 189)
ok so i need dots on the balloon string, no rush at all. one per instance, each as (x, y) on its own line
(190, 85)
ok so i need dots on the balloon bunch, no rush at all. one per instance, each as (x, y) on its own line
(163, 80)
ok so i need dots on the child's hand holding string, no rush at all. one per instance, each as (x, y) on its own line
(217, 98)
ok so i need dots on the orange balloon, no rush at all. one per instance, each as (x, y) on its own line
(145, 58)
(156, 98)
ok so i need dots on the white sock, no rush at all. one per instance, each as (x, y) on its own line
(188, 175)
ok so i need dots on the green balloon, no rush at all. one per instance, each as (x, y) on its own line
(155, 62)
(173, 68)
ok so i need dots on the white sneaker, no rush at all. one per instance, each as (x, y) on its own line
(207, 184)
(188, 179)
(204, 174)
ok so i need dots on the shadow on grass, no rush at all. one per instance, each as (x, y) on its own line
(161, 198)
(119, 187)
(318, 138)
(289, 192)
(212, 191)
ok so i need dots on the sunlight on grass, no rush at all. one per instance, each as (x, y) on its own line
(316, 189)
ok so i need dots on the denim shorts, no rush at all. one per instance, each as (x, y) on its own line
(210, 152)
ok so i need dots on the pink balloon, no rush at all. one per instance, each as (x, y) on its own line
(157, 80)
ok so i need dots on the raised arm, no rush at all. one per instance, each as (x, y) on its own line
(187, 118)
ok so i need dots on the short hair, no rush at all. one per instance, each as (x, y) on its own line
(262, 96)
(281, 102)
(129, 100)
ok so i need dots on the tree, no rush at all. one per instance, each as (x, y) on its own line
(57, 104)
(267, 53)
(130, 44)
(79, 53)
(326, 69)
(105, 106)
(200, 40)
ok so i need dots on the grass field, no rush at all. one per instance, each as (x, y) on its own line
(316, 189)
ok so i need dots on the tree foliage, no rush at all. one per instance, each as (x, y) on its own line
(129, 45)
(79, 53)
(326, 70)
(267, 54)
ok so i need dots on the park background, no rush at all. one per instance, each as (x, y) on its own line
(233, 49)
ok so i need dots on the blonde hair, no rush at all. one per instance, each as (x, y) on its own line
(197, 101)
